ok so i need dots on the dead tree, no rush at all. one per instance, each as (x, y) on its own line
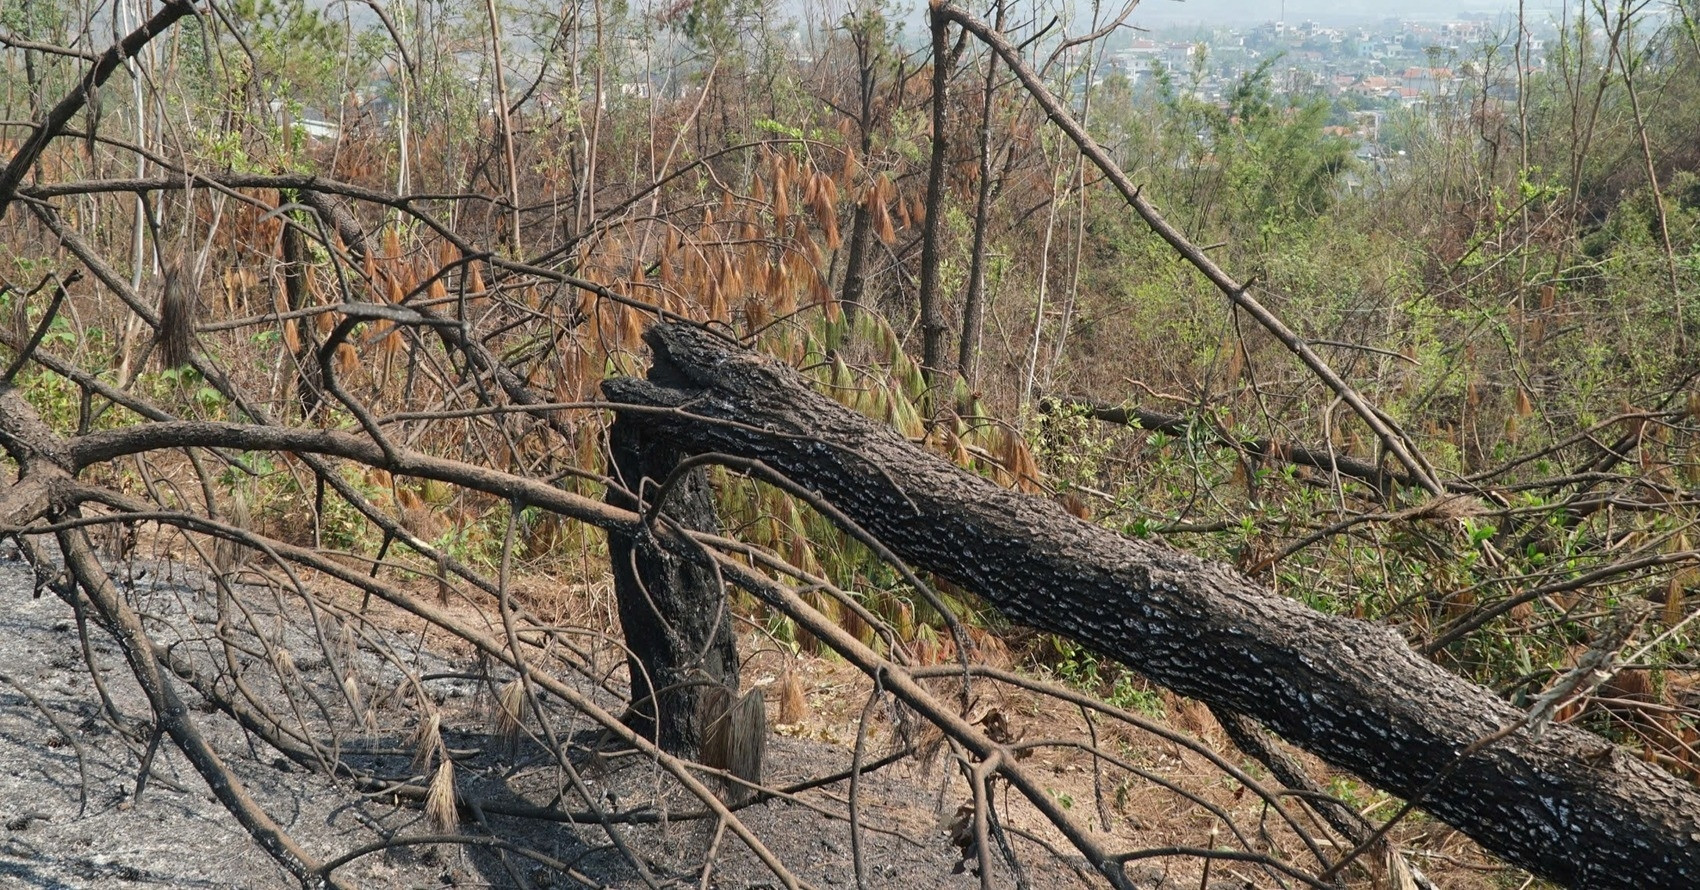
(1561, 802)
(673, 609)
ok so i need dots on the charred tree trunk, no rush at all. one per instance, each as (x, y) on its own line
(673, 611)
(854, 292)
(308, 384)
(855, 287)
(1563, 803)
(973, 304)
(934, 331)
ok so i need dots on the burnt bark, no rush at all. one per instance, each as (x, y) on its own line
(854, 290)
(973, 304)
(934, 357)
(673, 609)
(1563, 803)
(856, 261)
(309, 384)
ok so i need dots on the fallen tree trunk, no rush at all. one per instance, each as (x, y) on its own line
(1564, 803)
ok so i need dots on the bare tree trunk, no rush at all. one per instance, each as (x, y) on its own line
(505, 122)
(856, 261)
(974, 304)
(934, 355)
(673, 610)
(1561, 802)
(854, 292)
(1628, 66)
(308, 385)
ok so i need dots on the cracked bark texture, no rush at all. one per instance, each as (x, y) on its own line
(673, 610)
(1567, 805)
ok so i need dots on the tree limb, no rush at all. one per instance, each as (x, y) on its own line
(60, 115)
(1238, 293)
(1567, 805)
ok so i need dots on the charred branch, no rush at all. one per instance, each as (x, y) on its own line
(83, 94)
(1563, 803)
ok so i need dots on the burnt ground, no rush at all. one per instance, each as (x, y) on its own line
(359, 679)
(77, 815)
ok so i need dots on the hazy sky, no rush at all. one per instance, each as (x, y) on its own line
(1172, 11)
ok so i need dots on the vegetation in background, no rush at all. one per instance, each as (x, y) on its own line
(1517, 291)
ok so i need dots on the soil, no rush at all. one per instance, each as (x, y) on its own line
(80, 811)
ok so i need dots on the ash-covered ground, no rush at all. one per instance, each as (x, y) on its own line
(79, 811)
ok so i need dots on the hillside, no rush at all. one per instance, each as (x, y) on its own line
(1242, 453)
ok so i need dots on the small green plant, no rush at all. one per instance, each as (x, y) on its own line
(1125, 693)
(1083, 669)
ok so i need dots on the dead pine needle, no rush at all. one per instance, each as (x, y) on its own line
(793, 707)
(175, 337)
(427, 740)
(734, 737)
(440, 808)
(511, 710)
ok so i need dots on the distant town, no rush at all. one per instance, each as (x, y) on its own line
(1365, 71)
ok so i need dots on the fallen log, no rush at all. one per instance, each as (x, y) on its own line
(1562, 803)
